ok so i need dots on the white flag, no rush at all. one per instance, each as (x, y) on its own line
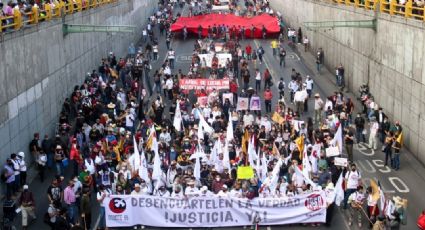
(307, 180)
(382, 200)
(339, 190)
(198, 154)
(264, 164)
(205, 125)
(275, 175)
(306, 164)
(214, 152)
(226, 159)
(156, 174)
(134, 159)
(252, 155)
(178, 118)
(200, 132)
(229, 134)
(337, 141)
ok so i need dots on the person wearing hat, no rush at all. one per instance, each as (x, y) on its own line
(162, 192)
(223, 192)
(191, 190)
(27, 206)
(17, 169)
(137, 190)
(22, 168)
(204, 192)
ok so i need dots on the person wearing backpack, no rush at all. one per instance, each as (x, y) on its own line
(281, 88)
(260, 53)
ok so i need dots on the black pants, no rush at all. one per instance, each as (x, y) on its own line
(86, 221)
(41, 172)
(268, 106)
(23, 178)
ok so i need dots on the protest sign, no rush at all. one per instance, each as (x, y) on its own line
(341, 161)
(245, 172)
(332, 151)
(255, 105)
(277, 118)
(242, 103)
(194, 212)
(201, 83)
(228, 96)
(222, 58)
(203, 101)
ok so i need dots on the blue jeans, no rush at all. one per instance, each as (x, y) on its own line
(59, 168)
(102, 222)
(72, 213)
(360, 136)
(348, 192)
(396, 161)
(50, 160)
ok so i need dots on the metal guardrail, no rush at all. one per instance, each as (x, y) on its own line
(333, 24)
(47, 12)
(410, 9)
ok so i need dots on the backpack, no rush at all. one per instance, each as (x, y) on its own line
(281, 86)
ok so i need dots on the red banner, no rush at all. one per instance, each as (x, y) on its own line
(207, 84)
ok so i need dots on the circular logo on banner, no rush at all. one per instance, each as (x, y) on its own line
(117, 205)
(314, 202)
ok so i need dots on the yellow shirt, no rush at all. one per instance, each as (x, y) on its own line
(274, 44)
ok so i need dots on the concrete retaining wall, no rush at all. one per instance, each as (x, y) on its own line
(39, 68)
(390, 59)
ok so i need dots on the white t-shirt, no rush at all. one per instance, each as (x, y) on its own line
(100, 194)
(129, 120)
(169, 84)
(189, 191)
(309, 84)
(352, 179)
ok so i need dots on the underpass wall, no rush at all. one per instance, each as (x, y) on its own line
(39, 67)
(390, 59)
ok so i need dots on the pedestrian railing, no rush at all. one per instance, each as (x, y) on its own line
(410, 9)
(47, 12)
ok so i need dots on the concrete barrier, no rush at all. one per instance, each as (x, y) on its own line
(39, 67)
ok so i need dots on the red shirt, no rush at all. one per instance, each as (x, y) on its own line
(248, 49)
(233, 87)
(268, 95)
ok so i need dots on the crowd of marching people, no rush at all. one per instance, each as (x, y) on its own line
(116, 121)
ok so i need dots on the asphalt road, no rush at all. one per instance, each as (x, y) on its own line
(408, 182)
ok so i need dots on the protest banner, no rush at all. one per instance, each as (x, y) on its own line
(228, 96)
(242, 103)
(341, 161)
(203, 101)
(194, 212)
(332, 151)
(255, 105)
(245, 172)
(201, 83)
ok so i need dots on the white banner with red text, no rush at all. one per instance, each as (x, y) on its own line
(207, 84)
(126, 210)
